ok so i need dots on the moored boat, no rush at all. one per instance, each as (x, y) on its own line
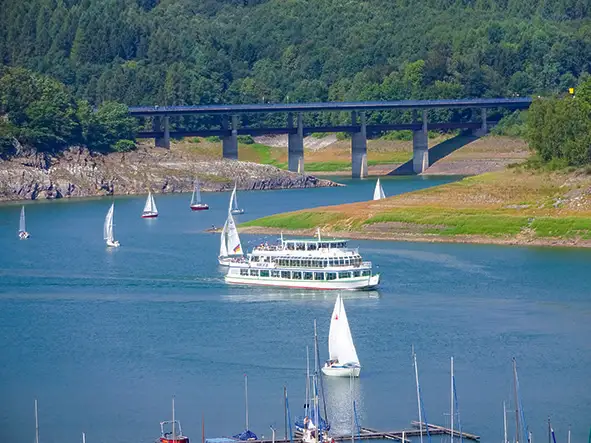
(171, 431)
(150, 210)
(343, 360)
(196, 203)
(304, 263)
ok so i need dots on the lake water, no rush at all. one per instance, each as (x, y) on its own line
(104, 338)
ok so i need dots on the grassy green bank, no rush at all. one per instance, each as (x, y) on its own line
(513, 206)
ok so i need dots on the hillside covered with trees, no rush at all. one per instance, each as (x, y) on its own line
(205, 51)
(148, 52)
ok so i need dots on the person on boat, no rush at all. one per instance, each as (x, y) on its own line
(331, 363)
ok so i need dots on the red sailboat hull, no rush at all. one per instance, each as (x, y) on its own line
(179, 439)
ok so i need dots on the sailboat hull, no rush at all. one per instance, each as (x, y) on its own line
(113, 244)
(341, 371)
(199, 207)
(23, 235)
(149, 215)
(237, 211)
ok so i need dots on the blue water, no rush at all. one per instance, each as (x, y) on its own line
(104, 338)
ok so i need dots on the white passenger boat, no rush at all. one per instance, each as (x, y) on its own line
(343, 360)
(304, 263)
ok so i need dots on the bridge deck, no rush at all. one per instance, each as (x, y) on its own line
(515, 103)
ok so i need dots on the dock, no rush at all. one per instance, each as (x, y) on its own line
(372, 434)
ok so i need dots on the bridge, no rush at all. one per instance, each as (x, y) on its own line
(359, 130)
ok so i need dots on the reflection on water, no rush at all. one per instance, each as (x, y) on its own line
(340, 394)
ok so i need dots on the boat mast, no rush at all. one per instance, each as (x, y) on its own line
(36, 422)
(308, 392)
(173, 425)
(517, 425)
(316, 415)
(352, 408)
(246, 398)
(414, 356)
(505, 423)
(451, 397)
(317, 369)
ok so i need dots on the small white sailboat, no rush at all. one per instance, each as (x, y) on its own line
(378, 192)
(22, 230)
(343, 360)
(196, 204)
(230, 246)
(108, 228)
(234, 209)
(150, 210)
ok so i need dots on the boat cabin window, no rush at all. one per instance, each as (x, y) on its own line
(344, 274)
(341, 261)
(296, 275)
(300, 246)
(307, 276)
(290, 246)
(319, 276)
(244, 272)
(285, 274)
(366, 273)
(311, 246)
(264, 273)
(331, 275)
(277, 273)
(254, 272)
(254, 258)
(356, 273)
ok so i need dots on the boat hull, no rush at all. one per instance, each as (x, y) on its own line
(237, 211)
(150, 215)
(360, 284)
(23, 235)
(174, 440)
(113, 244)
(200, 207)
(341, 371)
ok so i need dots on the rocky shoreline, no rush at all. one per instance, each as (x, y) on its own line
(80, 173)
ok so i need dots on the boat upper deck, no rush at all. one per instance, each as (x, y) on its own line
(303, 246)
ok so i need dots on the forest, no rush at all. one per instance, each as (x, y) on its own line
(148, 52)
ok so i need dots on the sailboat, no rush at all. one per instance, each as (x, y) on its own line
(196, 204)
(230, 246)
(22, 230)
(343, 360)
(378, 192)
(150, 210)
(108, 228)
(234, 209)
(175, 433)
(247, 434)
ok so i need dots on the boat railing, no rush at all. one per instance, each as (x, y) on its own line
(366, 264)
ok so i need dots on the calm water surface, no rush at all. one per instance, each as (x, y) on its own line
(104, 338)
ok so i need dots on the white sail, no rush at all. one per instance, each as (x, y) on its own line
(108, 227)
(340, 342)
(223, 240)
(150, 206)
(21, 226)
(233, 246)
(233, 199)
(378, 192)
(196, 197)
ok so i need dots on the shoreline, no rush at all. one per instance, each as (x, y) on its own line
(432, 238)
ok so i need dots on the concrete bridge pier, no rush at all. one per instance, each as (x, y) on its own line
(420, 148)
(295, 144)
(230, 141)
(158, 122)
(359, 147)
(483, 130)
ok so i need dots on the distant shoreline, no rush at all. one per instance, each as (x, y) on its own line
(398, 237)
